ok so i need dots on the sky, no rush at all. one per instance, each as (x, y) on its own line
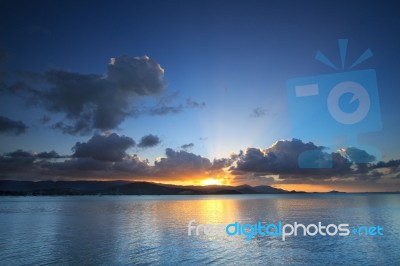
(201, 92)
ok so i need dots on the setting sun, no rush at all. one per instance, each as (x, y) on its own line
(211, 181)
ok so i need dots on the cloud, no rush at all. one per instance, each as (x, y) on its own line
(187, 147)
(96, 102)
(45, 119)
(140, 75)
(282, 159)
(11, 127)
(357, 155)
(133, 165)
(13, 163)
(49, 155)
(164, 110)
(181, 162)
(391, 167)
(93, 161)
(149, 141)
(106, 157)
(225, 162)
(20, 154)
(110, 148)
(24, 163)
(259, 112)
(93, 103)
(164, 106)
(78, 167)
(193, 104)
(389, 164)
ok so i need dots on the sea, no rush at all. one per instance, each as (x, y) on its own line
(169, 230)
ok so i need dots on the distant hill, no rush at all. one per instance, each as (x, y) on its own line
(29, 186)
(146, 188)
(10, 187)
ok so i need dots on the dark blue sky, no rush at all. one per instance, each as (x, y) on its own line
(226, 65)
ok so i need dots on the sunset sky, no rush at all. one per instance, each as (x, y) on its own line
(192, 92)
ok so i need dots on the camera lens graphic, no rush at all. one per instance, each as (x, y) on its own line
(358, 92)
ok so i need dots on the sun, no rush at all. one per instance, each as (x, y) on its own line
(211, 181)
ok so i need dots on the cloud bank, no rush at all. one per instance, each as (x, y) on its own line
(108, 157)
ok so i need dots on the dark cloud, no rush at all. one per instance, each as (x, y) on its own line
(20, 154)
(75, 166)
(391, 167)
(187, 147)
(259, 112)
(164, 110)
(128, 167)
(133, 165)
(24, 163)
(282, 158)
(78, 168)
(371, 176)
(164, 106)
(27, 154)
(193, 104)
(357, 155)
(45, 119)
(105, 156)
(110, 148)
(96, 102)
(389, 164)
(225, 162)
(149, 141)
(100, 157)
(141, 76)
(11, 127)
(14, 165)
(178, 162)
(49, 155)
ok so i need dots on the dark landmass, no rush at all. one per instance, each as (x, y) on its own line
(63, 188)
(335, 191)
(70, 188)
(295, 191)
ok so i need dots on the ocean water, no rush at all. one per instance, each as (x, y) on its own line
(153, 230)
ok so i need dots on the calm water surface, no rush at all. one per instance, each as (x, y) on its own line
(152, 230)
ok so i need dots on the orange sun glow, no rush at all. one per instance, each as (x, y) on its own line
(211, 181)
